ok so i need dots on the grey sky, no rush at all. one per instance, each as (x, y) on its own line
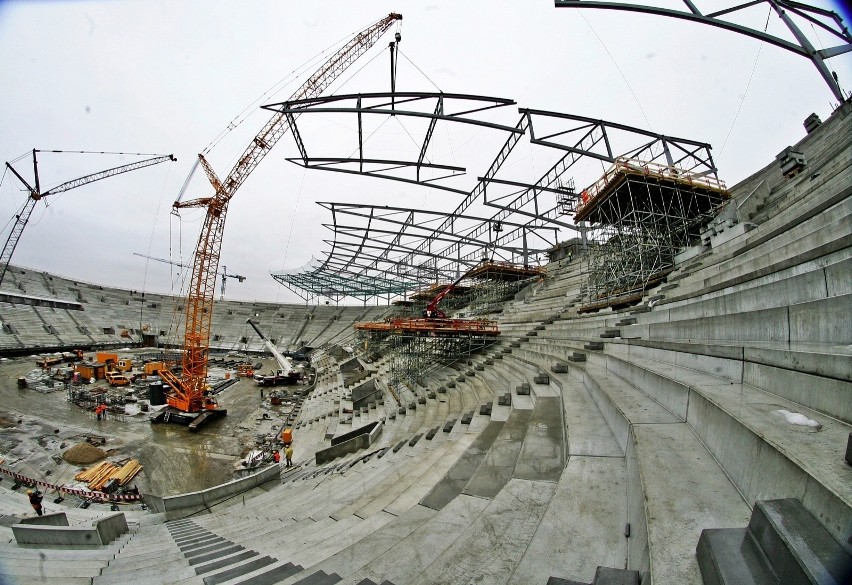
(168, 77)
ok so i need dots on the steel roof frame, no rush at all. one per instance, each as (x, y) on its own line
(378, 246)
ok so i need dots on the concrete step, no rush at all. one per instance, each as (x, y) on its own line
(782, 538)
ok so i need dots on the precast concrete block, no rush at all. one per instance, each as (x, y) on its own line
(796, 545)
(671, 394)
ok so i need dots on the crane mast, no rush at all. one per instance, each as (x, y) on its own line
(188, 392)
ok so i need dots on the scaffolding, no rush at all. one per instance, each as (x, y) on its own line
(417, 348)
(640, 214)
(498, 282)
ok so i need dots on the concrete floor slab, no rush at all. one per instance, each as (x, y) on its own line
(335, 543)
(498, 465)
(392, 485)
(587, 431)
(358, 553)
(679, 505)
(412, 555)
(460, 473)
(542, 455)
(430, 477)
(583, 526)
(488, 551)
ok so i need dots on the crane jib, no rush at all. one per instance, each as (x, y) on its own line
(199, 305)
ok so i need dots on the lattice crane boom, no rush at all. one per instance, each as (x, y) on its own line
(35, 195)
(188, 392)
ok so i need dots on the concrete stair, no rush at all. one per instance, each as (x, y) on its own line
(782, 543)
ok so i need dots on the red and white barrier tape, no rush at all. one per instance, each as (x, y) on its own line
(86, 494)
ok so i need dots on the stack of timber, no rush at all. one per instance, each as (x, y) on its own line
(99, 475)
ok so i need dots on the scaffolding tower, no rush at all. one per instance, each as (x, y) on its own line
(417, 348)
(494, 283)
(639, 215)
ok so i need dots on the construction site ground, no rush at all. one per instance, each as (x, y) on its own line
(36, 428)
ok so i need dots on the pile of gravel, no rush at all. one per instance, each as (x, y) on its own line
(83, 454)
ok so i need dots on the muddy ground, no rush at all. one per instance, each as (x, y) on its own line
(36, 428)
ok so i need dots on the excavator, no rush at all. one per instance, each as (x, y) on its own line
(189, 400)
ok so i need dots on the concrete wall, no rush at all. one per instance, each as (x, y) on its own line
(54, 519)
(365, 393)
(54, 530)
(206, 498)
(349, 446)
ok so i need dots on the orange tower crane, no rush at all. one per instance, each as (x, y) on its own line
(188, 392)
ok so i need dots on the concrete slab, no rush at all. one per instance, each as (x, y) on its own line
(583, 526)
(460, 473)
(424, 484)
(379, 490)
(498, 465)
(405, 562)
(587, 430)
(28, 568)
(679, 505)
(542, 455)
(360, 552)
(333, 544)
(488, 551)
(769, 458)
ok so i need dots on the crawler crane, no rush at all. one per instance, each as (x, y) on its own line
(188, 399)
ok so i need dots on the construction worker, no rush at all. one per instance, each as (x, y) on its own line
(35, 500)
(288, 455)
(100, 411)
(276, 456)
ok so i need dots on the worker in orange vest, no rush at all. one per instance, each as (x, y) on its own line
(100, 410)
(35, 500)
(276, 456)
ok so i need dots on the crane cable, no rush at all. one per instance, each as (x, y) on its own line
(420, 70)
(620, 72)
(748, 85)
(275, 88)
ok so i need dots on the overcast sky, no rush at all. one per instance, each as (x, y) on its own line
(169, 77)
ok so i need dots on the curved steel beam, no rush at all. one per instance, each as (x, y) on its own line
(804, 47)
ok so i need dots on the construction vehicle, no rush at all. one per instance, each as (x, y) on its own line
(36, 194)
(151, 368)
(75, 355)
(188, 400)
(431, 311)
(116, 379)
(287, 375)
(48, 361)
(113, 362)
